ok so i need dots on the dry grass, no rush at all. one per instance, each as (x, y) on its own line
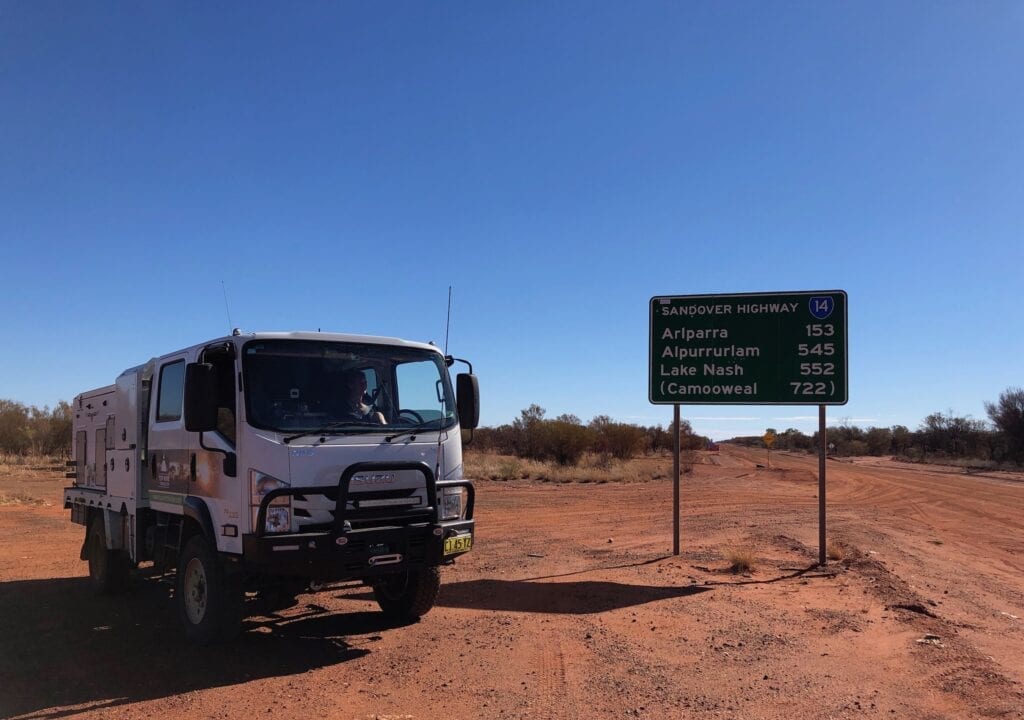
(33, 463)
(593, 468)
(30, 480)
(687, 459)
(741, 560)
(19, 498)
(835, 551)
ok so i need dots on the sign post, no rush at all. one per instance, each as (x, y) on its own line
(821, 484)
(784, 348)
(675, 482)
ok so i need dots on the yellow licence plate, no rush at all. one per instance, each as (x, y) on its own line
(458, 544)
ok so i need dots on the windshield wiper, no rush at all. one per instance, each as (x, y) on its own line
(331, 427)
(414, 429)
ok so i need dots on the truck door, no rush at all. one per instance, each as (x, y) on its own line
(212, 447)
(169, 456)
(215, 478)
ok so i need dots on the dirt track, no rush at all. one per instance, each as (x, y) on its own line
(572, 606)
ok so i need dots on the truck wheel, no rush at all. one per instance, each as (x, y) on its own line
(408, 595)
(210, 599)
(108, 569)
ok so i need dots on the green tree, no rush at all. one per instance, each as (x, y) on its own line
(51, 429)
(902, 439)
(527, 432)
(879, 441)
(1008, 416)
(15, 435)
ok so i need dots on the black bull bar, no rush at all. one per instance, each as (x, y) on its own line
(404, 538)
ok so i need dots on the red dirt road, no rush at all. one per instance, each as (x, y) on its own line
(572, 606)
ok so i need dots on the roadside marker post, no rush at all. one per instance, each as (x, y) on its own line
(782, 348)
(769, 440)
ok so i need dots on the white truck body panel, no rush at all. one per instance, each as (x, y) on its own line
(134, 458)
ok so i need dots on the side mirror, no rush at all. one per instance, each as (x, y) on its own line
(200, 397)
(467, 400)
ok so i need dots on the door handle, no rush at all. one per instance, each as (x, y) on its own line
(192, 467)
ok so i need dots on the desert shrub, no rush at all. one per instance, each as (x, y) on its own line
(687, 459)
(618, 440)
(793, 439)
(739, 559)
(564, 442)
(658, 440)
(855, 447)
(510, 469)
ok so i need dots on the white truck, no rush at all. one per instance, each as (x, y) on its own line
(260, 466)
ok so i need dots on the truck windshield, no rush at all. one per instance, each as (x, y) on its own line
(321, 386)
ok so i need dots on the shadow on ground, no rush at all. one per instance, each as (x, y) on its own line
(62, 647)
(580, 597)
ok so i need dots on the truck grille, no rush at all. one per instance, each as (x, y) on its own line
(316, 512)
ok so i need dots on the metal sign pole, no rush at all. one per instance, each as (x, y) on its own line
(675, 483)
(821, 484)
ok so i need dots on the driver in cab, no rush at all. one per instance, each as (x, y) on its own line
(353, 397)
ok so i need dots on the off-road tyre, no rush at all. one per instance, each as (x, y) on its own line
(408, 596)
(108, 569)
(210, 599)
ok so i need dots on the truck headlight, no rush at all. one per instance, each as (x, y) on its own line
(279, 519)
(451, 503)
(279, 514)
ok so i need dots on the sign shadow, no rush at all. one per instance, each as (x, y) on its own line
(579, 597)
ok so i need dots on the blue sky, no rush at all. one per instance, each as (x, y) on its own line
(339, 165)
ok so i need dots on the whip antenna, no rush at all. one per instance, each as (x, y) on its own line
(440, 435)
(448, 320)
(226, 308)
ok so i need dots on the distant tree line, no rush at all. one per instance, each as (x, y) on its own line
(565, 439)
(940, 436)
(26, 430)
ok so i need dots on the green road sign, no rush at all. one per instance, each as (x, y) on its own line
(785, 348)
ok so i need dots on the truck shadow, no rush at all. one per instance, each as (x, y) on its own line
(580, 597)
(64, 650)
